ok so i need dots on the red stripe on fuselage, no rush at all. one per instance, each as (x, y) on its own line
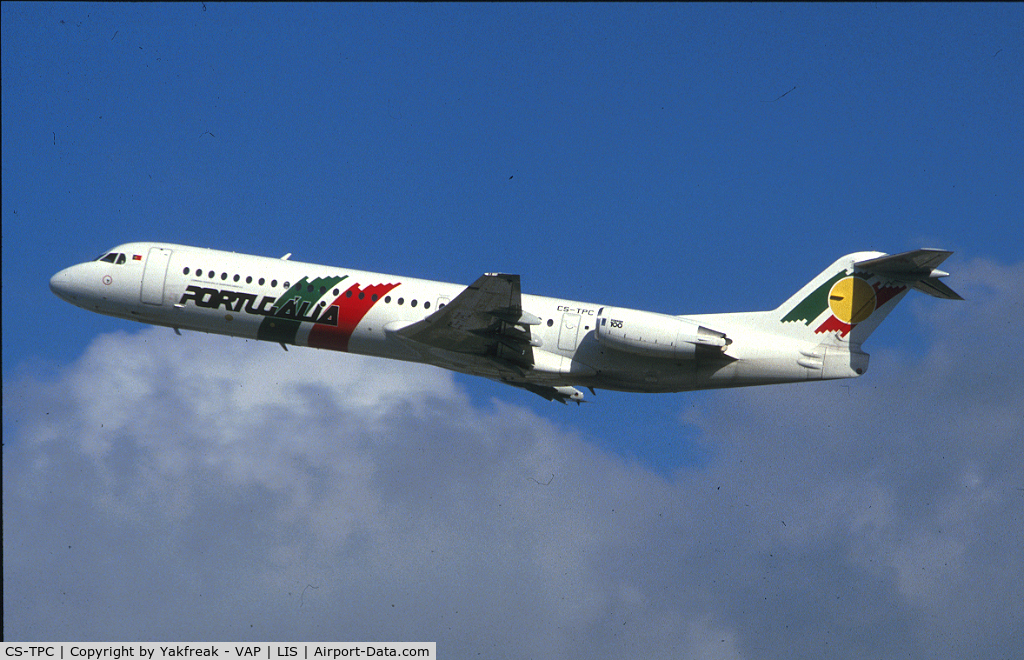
(352, 305)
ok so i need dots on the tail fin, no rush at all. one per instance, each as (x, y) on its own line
(847, 301)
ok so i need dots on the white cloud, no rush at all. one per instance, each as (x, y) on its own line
(209, 488)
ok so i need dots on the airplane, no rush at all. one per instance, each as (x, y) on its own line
(548, 346)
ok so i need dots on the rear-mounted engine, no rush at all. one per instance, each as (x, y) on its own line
(657, 335)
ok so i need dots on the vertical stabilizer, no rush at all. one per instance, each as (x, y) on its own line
(849, 299)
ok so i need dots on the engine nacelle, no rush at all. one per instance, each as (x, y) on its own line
(656, 335)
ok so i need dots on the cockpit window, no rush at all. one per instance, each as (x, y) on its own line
(113, 258)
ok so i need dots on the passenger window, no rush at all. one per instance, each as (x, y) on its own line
(273, 283)
(262, 280)
(248, 279)
(413, 303)
(237, 277)
(426, 305)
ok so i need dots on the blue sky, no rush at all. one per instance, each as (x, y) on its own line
(682, 159)
(679, 158)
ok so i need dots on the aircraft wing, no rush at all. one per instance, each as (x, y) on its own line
(486, 319)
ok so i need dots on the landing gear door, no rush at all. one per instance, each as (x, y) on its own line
(154, 276)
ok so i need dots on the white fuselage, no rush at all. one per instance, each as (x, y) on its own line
(304, 304)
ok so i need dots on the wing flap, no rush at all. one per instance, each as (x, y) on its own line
(562, 394)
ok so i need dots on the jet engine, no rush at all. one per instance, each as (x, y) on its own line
(656, 335)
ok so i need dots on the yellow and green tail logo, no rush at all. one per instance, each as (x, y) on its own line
(849, 300)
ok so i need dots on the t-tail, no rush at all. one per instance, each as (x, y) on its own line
(847, 301)
(817, 333)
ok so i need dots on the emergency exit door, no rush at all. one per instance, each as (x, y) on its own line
(569, 332)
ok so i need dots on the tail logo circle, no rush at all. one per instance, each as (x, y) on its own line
(852, 300)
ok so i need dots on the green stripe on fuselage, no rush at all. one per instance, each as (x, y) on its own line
(296, 305)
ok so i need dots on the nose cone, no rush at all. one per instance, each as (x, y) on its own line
(63, 285)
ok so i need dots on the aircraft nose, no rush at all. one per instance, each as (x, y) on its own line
(63, 285)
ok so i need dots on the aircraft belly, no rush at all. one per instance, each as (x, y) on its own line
(631, 373)
(209, 320)
(760, 366)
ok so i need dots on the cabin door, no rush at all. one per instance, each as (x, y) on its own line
(154, 276)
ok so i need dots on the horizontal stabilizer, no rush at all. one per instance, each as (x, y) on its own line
(917, 268)
(915, 261)
(934, 287)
